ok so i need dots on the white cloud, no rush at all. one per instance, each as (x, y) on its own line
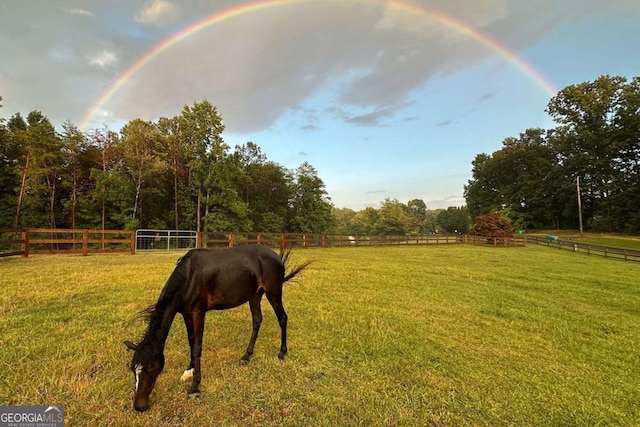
(103, 59)
(81, 12)
(157, 12)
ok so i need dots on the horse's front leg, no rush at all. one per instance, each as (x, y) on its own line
(188, 322)
(197, 320)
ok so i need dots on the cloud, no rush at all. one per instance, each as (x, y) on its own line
(370, 58)
(445, 122)
(371, 61)
(103, 59)
(157, 12)
(373, 118)
(81, 12)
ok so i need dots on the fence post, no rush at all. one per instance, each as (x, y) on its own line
(230, 240)
(25, 244)
(133, 242)
(85, 242)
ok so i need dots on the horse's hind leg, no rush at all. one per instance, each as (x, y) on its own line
(276, 302)
(256, 317)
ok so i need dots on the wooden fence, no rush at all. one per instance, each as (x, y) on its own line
(39, 240)
(59, 240)
(589, 249)
(309, 240)
(29, 241)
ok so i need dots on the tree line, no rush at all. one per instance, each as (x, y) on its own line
(175, 172)
(534, 177)
(397, 218)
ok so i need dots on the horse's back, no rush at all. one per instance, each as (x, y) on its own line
(248, 252)
(238, 264)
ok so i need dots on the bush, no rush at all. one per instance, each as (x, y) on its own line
(494, 224)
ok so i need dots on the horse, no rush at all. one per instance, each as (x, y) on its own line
(206, 280)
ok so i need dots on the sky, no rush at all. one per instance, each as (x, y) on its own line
(385, 99)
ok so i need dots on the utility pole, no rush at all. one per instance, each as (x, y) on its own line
(579, 204)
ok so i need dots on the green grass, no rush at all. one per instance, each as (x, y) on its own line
(438, 335)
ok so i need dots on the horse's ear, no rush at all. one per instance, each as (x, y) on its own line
(131, 346)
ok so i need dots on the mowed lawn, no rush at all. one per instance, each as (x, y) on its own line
(439, 335)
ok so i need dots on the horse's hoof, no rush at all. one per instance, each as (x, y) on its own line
(244, 361)
(194, 396)
(187, 375)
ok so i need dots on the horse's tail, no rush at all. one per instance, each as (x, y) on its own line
(294, 270)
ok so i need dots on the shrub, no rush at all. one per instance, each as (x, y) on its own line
(494, 224)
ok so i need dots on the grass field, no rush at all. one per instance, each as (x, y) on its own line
(440, 335)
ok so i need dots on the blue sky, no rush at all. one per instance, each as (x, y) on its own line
(382, 102)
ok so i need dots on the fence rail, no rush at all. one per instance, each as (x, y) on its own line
(589, 249)
(309, 240)
(43, 240)
(61, 240)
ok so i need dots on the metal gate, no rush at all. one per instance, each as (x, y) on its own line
(165, 240)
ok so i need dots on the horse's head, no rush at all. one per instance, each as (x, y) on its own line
(146, 365)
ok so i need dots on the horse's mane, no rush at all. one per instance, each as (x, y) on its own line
(159, 316)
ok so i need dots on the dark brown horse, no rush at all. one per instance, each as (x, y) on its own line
(207, 280)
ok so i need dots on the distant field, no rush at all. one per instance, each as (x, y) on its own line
(604, 239)
(439, 335)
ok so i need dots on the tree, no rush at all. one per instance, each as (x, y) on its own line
(76, 172)
(103, 194)
(267, 189)
(523, 178)
(176, 150)
(139, 146)
(417, 211)
(454, 220)
(10, 155)
(344, 221)
(310, 206)
(393, 218)
(226, 211)
(599, 144)
(200, 128)
(431, 221)
(39, 163)
(366, 221)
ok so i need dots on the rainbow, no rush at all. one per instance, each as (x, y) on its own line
(252, 7)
